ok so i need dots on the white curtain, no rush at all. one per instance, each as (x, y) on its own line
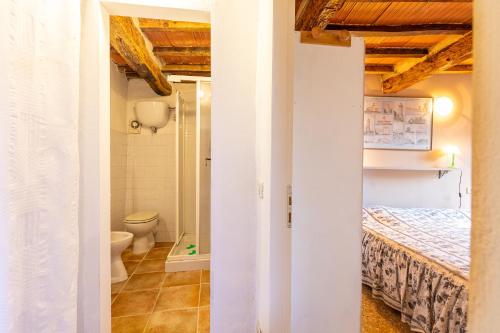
(39, 56)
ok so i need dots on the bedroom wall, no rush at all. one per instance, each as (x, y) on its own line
(424, 189)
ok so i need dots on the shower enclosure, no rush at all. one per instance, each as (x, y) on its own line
(193, 167)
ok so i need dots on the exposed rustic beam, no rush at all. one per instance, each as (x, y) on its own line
(318, 36)
(173, 26)
(128, 40)
(185, 68)
(447, 57)
(315, 13)
(364, 30)
(182, 51)
(375, 1)
(396, 52)
(378, 69)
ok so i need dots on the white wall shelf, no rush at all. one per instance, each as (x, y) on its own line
(440, 171)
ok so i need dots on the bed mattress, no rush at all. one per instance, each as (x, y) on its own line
(417, 260)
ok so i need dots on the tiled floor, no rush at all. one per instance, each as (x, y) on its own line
(154, 301)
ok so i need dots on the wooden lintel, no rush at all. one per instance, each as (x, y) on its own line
(315, 13)
(185, 68)
(172, 26)
(318, 36)
(443, 59)
(363, 30)
(378, 69)
(128, 40)
(396, 52)
(182, 51)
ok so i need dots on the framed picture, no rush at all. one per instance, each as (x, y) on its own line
(401, 123)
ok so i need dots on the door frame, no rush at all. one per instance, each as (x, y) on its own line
(94, 285)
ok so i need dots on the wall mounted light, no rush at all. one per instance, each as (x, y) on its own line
(452, 151)
(443, 106)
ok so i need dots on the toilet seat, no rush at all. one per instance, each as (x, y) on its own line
(141, 217)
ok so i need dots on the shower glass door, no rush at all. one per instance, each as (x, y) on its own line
(180, 138)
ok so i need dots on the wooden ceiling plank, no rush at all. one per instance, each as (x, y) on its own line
(369, 30)
(182, 51)
(447, 57)
(172, 26)
(186, 68)
(128, 40)
(396, 52)
(315, 13)
(459, 69)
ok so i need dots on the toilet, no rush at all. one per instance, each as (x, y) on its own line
(142, 225)
(120, 240)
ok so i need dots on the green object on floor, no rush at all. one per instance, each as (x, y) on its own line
(191, 246)
(192, 252)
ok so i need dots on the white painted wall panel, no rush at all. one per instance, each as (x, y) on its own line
(327, 188)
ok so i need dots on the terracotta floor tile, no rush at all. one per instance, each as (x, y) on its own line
(147, 266)
(134, 303)
(205, 276)
(177, 321)
(130, 266)
(158, 253)
(164, 244)
(180, 297)
(127, 255)
(204, 320)
(205, 294)
(182, 278)
(117, 287)
(144, 281)
(132, 324)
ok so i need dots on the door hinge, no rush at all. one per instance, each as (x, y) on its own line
(289, 204)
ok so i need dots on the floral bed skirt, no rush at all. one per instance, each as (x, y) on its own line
(430, 298)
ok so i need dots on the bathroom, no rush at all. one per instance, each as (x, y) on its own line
(160, 203)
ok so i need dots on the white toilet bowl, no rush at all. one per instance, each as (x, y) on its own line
(120, 240)
(142, 225)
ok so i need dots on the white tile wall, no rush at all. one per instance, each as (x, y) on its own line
(118, 178)
(150, 178)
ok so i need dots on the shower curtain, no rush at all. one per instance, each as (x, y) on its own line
(39, 53)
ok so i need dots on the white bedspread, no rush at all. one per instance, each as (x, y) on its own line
(441, 235)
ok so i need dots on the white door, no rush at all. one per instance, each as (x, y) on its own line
(179, 151)
(327, 188)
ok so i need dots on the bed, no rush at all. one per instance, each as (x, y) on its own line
(417, 261)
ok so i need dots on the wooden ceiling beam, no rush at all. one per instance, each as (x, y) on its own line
(396, 52)
(182, 51)
(376, 1)
(128, 40)
(172, 26)
(368, 30)
(443, 59)
(185, 68)
(378, 69)
(315, 13)
(459, 69)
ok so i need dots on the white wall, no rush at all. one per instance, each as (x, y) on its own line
(118, 137)
(234, 182)
(484, 298)
(424, 189)
(327, 187)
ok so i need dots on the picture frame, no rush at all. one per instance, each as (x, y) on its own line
(398, 123)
